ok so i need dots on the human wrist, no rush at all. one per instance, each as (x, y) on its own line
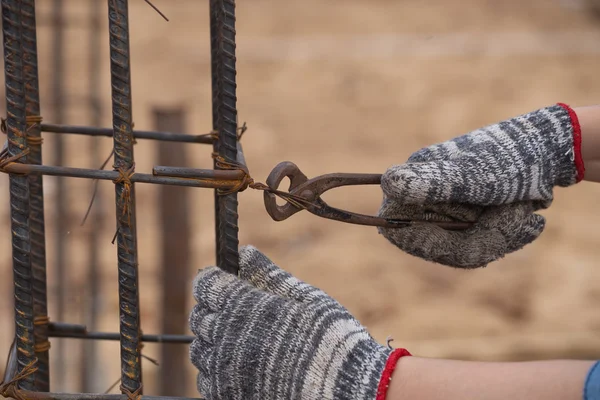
(589, 118)
(570, 165)
(391, 365)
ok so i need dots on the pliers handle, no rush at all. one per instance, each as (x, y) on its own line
(308, 193)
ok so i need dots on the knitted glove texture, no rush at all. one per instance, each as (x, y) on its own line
(267, 335)
(496, 177)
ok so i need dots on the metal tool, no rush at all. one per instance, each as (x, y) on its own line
(308, 193)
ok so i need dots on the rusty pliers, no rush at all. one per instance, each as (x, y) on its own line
(306, 194)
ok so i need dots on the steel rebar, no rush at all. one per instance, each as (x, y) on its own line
(129, 303)
(36, 193)
(215, 126)
(205, 138)
(19, 188)
(195, 173)
(75, 331)
(210, 178)
(222, 26)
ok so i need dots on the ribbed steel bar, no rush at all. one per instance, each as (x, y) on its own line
(108, 132)
(215, 125)
(225, 180)
(19, 188)
(194, 173)
(225, 113)
(129, 309)
(58, 329)
(36, 195)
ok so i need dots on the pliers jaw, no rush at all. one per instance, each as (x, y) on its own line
(305, 194)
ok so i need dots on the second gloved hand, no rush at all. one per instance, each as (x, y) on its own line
(267, 335)
(496, 177)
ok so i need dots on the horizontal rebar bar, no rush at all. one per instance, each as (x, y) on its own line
(222, 179)
(183, 172)
(75, 331)
(206, 138)
(30, 395)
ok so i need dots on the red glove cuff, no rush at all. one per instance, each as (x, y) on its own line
(386, 377)
(576, 141)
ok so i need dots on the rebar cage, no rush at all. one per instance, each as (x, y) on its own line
(27, 373)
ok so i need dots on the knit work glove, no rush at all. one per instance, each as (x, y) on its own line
(497, 177)
(268, 335)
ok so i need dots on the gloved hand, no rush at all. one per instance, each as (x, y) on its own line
(497, 176)
(267, 335)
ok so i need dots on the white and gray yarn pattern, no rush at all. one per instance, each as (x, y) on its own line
(496, 176)
(267, 335)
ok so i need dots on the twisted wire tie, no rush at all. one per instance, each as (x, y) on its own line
(10, 389)
(45, 345)
(135, 395)
(35, 140)
(31, 121)
(6, 160)
(248, 182)
(34, 119)
(124, 178)
(239, 133)
(41, 347)
(41, 320)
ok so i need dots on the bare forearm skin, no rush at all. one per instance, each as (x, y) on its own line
(589, 119)
(433, 379)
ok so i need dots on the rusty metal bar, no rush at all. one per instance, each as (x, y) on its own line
(207, 178)
(88, 355)
(75, 331)
(176, 255)
(36, 195)
(205, 138)
(129, 303)
(19, 188)
(195, 173)
(215, 125)
(222, 25)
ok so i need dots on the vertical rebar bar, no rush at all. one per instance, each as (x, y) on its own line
(60, 205)
(89, 372)
(214, 97)
(120, 71)
(36, 216)
(175, 215)
(19, 188)
(222, 15)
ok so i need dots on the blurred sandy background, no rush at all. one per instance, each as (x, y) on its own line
(346, 86)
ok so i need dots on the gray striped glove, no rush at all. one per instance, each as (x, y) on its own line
(267, 335)
(497, 177)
